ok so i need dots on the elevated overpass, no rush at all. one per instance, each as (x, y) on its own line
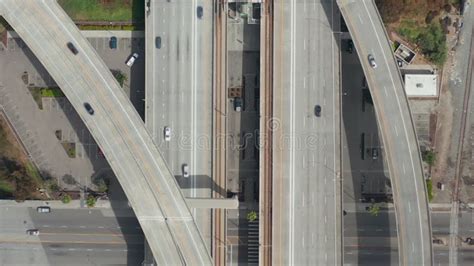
(397, 128)
(116, 126)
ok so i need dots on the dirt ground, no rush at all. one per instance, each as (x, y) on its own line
(10, 147)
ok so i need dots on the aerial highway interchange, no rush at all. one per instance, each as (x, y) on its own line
(158, 171)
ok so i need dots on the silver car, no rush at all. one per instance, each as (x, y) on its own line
(372, 62)
(132, 59)
(167, 133)
(185, 170)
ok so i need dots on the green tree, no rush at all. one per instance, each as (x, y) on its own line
(374, 209)
(432, 42)
(91, 200)
(252, 216)
(119, 76)
(429, 188)
(429, 157)
(66, 199)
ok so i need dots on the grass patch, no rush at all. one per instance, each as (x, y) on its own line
(70, 148)
(6, 189)
(429, 187)
(54, 92)
(104, 10)
(112, 27)
(431, 39)
(33, 172)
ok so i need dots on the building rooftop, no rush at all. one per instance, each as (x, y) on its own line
(421, 85)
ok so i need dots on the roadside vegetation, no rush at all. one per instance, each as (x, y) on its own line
(423, 23)
(104, 10)
(429, 187)
(19, 178)
(429, 157)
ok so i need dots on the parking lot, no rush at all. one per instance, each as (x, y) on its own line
(44, 131)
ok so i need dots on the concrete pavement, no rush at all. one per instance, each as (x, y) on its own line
(144, 176)
(306, 148)
(398, 134)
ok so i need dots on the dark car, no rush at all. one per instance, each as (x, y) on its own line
(317, 110)
(158, 42)
(89, 108)
(350, 46)
(238, 104)
(200, 12)
(113, 42)
(72, 48)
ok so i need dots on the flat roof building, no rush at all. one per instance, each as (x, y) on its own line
(421, 85)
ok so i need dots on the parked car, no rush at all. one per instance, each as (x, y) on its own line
(72, 48)
(132, 59)
(185, 170)
(32, 232)
(350, 46)
(167, 133)
(317, 110)
(89, 108)
(372, 62)
(43, 209)
(158, 42)
(199, 12)
(113, 42)
(238, 104)
(375, 153)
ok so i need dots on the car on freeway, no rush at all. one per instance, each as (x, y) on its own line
(372, 62)
(317, 110)
(167, 133)
(113, 42)
(72, 48)
(131, 60)
(375, 153)
(200, 12)
(89, 108)
(185, 170)
(43, 209)
(238, 104)
(350, 46)
(32, 232)
(158, 42)
(100, 153)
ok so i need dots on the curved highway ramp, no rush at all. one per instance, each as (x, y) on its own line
(398, 133)
(116, 126)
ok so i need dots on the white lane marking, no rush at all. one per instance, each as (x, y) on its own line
(396, 130)
(304, 82)
(385, 91)
(406, 136)
(291, 213)
(404, 170)
(302, 241)
(304, 44)
(360, 18)
(409, 207)
(302, 199)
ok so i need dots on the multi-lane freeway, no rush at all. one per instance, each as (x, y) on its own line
(179, 93)
(69, 237)
(396, 125)
(116, 126)
(306, 144)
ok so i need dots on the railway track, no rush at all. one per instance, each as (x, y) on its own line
(219, 131)
(266, 136)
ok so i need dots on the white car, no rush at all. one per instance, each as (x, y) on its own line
(33, 232)
(372, 61)
(167, 133)
(43, 209)
(185, 170)
(132, 59)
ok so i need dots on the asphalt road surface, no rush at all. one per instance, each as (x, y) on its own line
(398, 134)
(150, 187)
(179, 93)
(69, 236)
(306, 150)
(372, 240)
